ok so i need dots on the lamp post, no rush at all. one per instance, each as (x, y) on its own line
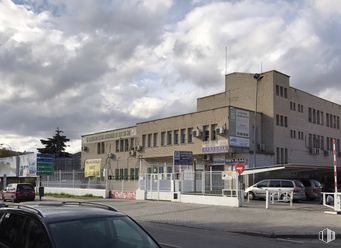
(258, 77)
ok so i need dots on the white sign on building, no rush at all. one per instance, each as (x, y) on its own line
(242, 123)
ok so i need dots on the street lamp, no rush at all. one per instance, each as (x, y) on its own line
(258, 77)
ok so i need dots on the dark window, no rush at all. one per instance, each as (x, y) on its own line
(285, 93)
(278, 156)
(262, 184)
(277, 120)
(155, 136)
(275, 183)
(309, 114)
(144, 143)
(281, 90)
(117, 146)
(163, 137)
(169, 137)
(314, 116)
(285, 121)
(285, 155)
(206, 133)
(11, 230)
(327, 119)
(310, 142)
(36, 237)
(334, 126)
(117, 174)
(213, 131)
(149, 140)
(338, 122)
(183, 136)
(287, 184)
(176, 137)
(126, 145)
(318, 117)
(282, 121)
(322, 118)
(189, 135)
(277, 90)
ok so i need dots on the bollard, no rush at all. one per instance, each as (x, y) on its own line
(266, 199)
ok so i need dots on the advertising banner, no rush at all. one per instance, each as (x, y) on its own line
(92, 168)
(8, 166)
(28, 165)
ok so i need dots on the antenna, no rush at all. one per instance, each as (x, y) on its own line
(225, 60)
(261, 67)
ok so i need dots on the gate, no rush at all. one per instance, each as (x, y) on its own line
(158, 185)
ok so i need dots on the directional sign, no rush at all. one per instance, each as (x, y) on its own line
(239, 168)
(45, 164)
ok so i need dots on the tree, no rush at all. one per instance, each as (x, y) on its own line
(7, 153)
(55, 145)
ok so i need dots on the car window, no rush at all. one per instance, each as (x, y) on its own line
(263, 184)
(25, 187)
(299, 184)
(317, 183)
(306, 183)
(287, 184)
(11, 230)
(275, 183)
(36, 235)
(100, 233)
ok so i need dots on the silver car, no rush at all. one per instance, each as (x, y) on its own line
(258, 190)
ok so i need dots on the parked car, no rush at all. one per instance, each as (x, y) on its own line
(17, 192)
(69, 225)
(312, 188)
(258, 190)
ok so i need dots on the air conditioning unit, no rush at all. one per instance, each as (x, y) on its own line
(326, 153)
(85, 148)
(219, 130)
(132, 153)
(196, 133)
(138, 148)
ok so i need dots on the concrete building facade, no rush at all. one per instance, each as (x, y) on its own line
(291, 127)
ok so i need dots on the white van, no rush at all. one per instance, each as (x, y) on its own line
(283, 185)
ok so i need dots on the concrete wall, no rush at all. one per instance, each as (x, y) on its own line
(75, 191)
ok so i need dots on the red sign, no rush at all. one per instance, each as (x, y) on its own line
(239, 168)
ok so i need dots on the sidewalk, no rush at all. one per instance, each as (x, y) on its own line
(300, 221)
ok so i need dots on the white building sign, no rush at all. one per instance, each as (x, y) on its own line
(239, 142)
(242, 123)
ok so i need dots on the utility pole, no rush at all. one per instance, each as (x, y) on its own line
(258, 77)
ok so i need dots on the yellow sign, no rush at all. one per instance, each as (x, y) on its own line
(92, 168)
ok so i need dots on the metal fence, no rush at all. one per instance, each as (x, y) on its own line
(188, 182)
(76, 179)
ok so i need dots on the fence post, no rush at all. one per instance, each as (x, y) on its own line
(266, 199)
(211, 179)
(73, 178)
(203, 175)
(122, 185)
(60, 178)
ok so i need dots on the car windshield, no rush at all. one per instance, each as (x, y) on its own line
(100, 233)
(25, 187)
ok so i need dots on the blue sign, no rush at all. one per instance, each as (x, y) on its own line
(183, 158)
(45, 164)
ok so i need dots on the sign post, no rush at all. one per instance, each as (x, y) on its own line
(239, 168)
(45, 166)
(335, 167)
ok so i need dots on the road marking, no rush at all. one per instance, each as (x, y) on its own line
(291, 241)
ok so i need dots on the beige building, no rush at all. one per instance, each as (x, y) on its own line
(292, 127)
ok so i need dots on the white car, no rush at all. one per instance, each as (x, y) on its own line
(258, 190)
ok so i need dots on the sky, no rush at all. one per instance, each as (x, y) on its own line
(89, 66)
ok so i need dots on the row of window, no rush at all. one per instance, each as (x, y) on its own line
(176, 137)
(122, 174)
(332, 121)
(317, 117)
(299, 134)
(293, 107)
(282, 120)
(281, 91)
(281, 155)
(124, 145)
(317, 141)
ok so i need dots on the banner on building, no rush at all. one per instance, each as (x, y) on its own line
(8, 166)
(92, 168)
(28, 165)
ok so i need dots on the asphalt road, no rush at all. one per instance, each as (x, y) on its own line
(182, 236)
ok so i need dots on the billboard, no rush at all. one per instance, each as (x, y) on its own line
(239, 127)
(92, 168)
(8, 166)
(28, 165)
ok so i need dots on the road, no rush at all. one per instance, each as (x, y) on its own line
(181, 236)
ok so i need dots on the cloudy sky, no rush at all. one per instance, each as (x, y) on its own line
(86, 66)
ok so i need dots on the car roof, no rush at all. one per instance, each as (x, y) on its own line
(66, 211)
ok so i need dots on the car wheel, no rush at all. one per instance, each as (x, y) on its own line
(285, 198)
(251, 195)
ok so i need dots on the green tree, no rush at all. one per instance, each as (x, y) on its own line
(7, 153)
(55, 145)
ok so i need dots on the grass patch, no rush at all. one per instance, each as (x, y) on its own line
(64, 195)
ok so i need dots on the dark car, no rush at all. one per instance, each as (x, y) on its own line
(17, 192)
(69, 225)
(312, 188)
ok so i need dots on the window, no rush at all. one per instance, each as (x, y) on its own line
(149, 144)
(277, 120)
(117, 146)
(278, 155)
(263, 184)
(11, 231)
(310, 141)
(206, 133)
(100, 148)
(277, 90)
(144, 144)
(213, 131)
(281, 90)
(334, 126)
(322, 142)
(275, 183)
(309, 114)
(132, 173)
(285, 121)
(126, 145)
(183, 136)
(327, 119)
(338, 122)
(117, 174)
(314, 116)
(282, 121)
(155, 136)
(189, 135)
(169, 137)
(163, 138)
(36, 237)
(285, 93)
(176, 137)
(287, 184)
(125, 175)
(318, 117)
(286, 155)
(132, 143)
